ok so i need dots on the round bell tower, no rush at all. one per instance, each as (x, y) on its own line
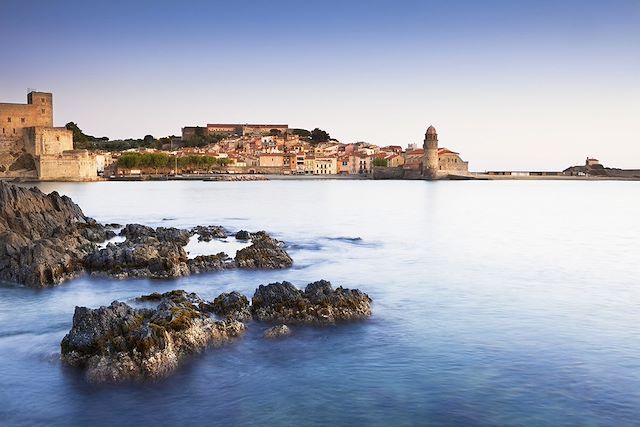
(430, 164)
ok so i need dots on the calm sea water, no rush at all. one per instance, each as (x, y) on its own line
(495, 303)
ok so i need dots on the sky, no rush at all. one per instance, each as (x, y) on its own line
(517, 85)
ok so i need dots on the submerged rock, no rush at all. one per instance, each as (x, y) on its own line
(319, 303)
(119, 343)
(277, 331)
(264, 252)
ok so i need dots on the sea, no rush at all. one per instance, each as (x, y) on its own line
(495, 303)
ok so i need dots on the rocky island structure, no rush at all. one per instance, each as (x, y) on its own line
(46, 239)
(122, 343)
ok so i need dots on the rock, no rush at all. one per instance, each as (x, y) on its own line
(43, 237)
(113, 225)
(144, 256)
(243, 235)
(138, 233)
(232, 305)
(265, 253)
(204, 263)
(119, 343)
(46, 239)
(208, 233)
(318, 304)
(277, 331)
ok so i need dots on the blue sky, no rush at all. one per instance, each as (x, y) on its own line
(509, 84)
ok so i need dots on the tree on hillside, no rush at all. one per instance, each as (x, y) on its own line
(82, 140)
(301, 133)
(318, 135)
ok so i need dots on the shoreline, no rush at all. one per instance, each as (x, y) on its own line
(274, 177)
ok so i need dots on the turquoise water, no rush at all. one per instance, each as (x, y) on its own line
(495, 303)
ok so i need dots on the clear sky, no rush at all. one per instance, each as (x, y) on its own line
(509, 84)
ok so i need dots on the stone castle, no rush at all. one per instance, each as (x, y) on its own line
(31, 148)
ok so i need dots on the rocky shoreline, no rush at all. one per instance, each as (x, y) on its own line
(122, 343)
(46, 239)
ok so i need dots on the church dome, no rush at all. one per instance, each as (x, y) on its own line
(431, 130)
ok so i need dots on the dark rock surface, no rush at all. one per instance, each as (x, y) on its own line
(243, 235)
(46, 239)
(264, 252)
(232, 305)
(209, 232)
(277, 331)
(319, 303)
(150, 258)
(43, 238)
(205, 263)
(119, 342)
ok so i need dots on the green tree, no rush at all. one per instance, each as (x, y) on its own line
(275, 132)
(301, 133)
(379, 162)
(318, 135)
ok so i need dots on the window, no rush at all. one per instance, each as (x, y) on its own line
(14, 130)
(22, 120)
(43, 111)
(8, 119)
(2, 130)
(42, 99)
(58, 138)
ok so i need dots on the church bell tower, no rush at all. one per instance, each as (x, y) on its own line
(430, 163)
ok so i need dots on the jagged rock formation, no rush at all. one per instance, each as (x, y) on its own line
(319, 303)
(232, 305)
(208, 233)
(118, 342)
(264, 252)
(43, 238)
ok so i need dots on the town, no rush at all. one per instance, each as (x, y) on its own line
(31, 148)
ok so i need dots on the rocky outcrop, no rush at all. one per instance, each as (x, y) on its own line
(208, 233)
(149, 258)
(205, 263)
(264, 252)
(319, 303)
(119, 342)
(232, 305)
(277, 331)
(43, 237)
(243, 235)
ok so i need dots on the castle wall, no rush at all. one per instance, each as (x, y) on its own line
(74, 165)
(48, 140)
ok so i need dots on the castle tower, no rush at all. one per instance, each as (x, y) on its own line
(430, 163)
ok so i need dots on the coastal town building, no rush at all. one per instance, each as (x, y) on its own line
(189, 132)
(440, 161)
(32, 148)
